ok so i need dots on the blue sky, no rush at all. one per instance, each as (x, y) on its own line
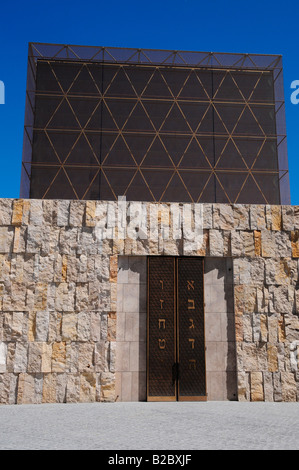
(263, 27)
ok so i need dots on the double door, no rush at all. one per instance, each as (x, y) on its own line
(175, 329)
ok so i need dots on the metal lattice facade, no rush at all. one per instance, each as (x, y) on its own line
(154, 125)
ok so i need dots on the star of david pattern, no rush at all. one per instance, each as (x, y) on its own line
(155, 130)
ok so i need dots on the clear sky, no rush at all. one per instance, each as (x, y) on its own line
(262, 27)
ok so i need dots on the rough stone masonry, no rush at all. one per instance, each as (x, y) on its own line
(58, 285)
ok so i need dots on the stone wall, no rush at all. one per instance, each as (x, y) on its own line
(58, 292)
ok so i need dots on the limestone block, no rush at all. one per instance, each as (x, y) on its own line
(85, 357)
(281, 271)
(50, 240)
(257, 242)
(20, 360)
(17, 213)
(242, 270)
(295, 243)
(112, 356)
(296, 217)
(277, 386)
(36, 212)
(236, 243)
(282, 356)
(6, 239)
(245, 299)
(87, 387)
(14, 298)
(49, 388)
(288, 386)
(268, 386)
(81, 268)
(112, 326)
(45, 264)
(107, 390)
(239, 327)
(86, 242)
(287, 213)
(46, 365)
(255, 357)
(264, 328)
(41, 296)
(283, 247)
(29, 388)
(90, 213)
(19, 241)
(256, 328)
(34, 239)
(248, 243)
(226, 243)
(84, 326)
(171, 247)
(8, 387)
(42, 325)
(118, 246)
(257, 217)
(243, 386)
(49, 212)
(13, 326)
(65, 297)
(272, 358)
(256, 386)
(103, 297)
(58, 359)
(276, 217)
(35, 352)
(69, 327)
(247, 328)
(73, 388)
(216, 242)
(207, 216)
(284, 299)
(281, 329)
(223, 217)
(68, 240)
(257, 271)
(104, 326)
(3, 353)
(76, 213)
(241, 217)
(82, 296)
(113, 268)
(63, 208)
(291, 324)
(101, 358)
(61, 381)
(5, 211)
(273, 328)
(268, 244)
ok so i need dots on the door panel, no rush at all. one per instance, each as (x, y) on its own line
(161, 383)
(176, 342)
(190, 329)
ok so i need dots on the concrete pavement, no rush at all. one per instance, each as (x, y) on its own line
(150, 426)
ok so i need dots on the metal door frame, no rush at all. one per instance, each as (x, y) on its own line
(177, 396)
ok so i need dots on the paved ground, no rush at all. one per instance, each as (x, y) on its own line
(151, 426)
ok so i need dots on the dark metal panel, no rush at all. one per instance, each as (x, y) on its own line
(191, 336)
(161, 343)
(159, 115)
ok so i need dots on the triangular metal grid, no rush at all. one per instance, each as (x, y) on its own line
(178, 112)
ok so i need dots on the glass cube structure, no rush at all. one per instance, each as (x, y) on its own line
(154, 125)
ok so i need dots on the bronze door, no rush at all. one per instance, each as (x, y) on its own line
(175, 339)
